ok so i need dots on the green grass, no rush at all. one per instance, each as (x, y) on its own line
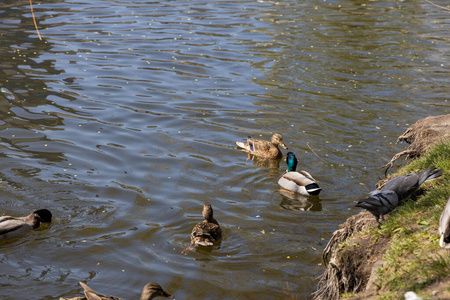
(414, 258)
(347, 295)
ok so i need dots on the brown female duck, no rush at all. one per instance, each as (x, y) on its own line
(262, 148)
(205, 233)
(11, 227)
(150, 291)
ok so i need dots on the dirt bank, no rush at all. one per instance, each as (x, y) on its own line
(422, 135)
(352, 258)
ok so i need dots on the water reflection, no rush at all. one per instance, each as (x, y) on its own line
(123, 121)
(272, 165)
(299, 202)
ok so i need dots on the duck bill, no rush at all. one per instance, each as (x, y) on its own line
(167, 295)
(283, 146)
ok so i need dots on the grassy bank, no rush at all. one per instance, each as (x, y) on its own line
(413, 259)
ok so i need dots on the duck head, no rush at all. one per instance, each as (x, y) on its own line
(277, 139)
(152, 290)
(291, 162)
(207, 212)
(43, 215)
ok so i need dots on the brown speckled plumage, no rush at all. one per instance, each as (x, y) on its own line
(262, 148)
(207, 232)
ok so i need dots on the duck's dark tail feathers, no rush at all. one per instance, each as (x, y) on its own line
(313, 189)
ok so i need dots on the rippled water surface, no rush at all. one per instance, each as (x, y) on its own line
(123, 119)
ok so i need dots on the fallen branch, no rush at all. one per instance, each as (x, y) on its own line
(34, 20)
(442, 7)
(307, 143)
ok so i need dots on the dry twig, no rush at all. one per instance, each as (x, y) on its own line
(307, 143)
(34, 20)
(442, 7)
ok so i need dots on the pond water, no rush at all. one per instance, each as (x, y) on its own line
(123, 120)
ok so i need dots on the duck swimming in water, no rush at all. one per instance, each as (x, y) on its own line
(262, 148)
(150, 291)
(205, 233)
(298, 181)
(11, 227)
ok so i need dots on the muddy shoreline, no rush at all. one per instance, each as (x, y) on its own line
(352, 258)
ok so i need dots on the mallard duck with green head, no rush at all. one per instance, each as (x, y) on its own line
(262, 148)
(298, 181)
(150, 291)
(11, 227)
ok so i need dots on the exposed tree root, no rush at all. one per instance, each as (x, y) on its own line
(348, 268)
(422, 135)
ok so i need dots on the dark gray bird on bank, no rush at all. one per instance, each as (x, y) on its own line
(396, 190)
(444, 226)
(11, 227)
(379, 203)
(404, 186)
